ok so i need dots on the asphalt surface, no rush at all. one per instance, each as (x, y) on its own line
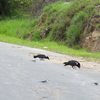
(23, 78)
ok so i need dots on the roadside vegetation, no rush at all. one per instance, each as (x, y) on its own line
(59, 27)
(53, 46)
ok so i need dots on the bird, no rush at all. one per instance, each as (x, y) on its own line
(45, 81)
(41, 56)
(95, 83)
(73, 63)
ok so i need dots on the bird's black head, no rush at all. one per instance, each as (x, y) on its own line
(34, 56)
(47, 58)
(65, 63)
(78, 65)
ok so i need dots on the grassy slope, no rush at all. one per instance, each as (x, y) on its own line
(16, 27)
(65, 20)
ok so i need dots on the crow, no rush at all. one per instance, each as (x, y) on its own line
(72, 63)
(41, 56)
(95, 83)
(45, 81)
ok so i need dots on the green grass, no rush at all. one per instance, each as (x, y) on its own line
(15, 27)
(52, 46)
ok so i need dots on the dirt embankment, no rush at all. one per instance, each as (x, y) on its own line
(91, 37)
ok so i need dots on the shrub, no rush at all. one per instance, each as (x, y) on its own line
(73, 34)
(75, 29)
(36, 36)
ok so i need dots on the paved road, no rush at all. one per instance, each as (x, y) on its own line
(20, 77)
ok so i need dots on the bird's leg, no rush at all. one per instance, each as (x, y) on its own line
(41, 59)
(73, 67)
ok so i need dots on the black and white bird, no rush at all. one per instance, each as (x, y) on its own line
(73, 63)
(41, 56)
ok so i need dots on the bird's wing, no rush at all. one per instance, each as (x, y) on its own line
(42, 55)
(76, 63)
